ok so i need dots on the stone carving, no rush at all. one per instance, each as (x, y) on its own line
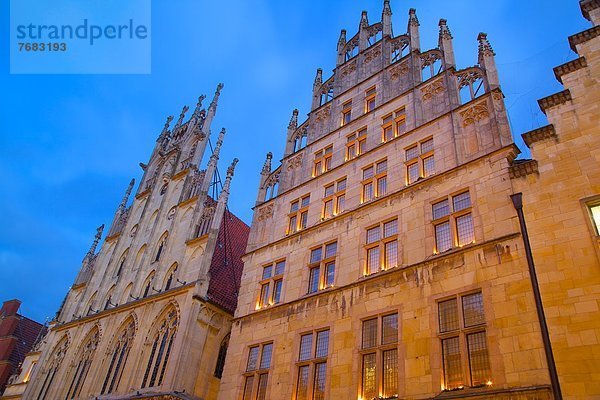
(475, 113)
(468, 76)
(265, 212)
(431, 90)
(171, 213)
(398, 71)
(323, 114)
(348, 69)
(430, 57)
(295, 162)
(372, 54)
(133, 231)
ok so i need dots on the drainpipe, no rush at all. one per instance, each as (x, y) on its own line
(517, 200)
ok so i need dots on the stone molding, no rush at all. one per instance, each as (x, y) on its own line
(583, 37)
(539, 134)
(587, 6)
(521, 168)
(569, 67)
(554, 100)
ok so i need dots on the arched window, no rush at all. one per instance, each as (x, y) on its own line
(161, 348)
(148, 284)
(118, 357)
(90, 305)
(82, 365)
(221, 357)
(52, 365)
(170, 277)
(121, 263)
(108, 299)
(161, 246)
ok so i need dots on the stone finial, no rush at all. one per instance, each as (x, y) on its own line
(126, 196)
(231, 169)
(165, 131)
(364, 20)
(412, 17)
(444, 30)
(92, 250)
(294, 120)
(215, 100)
(485, 48)
(318, 79)
(342, 40)
(387, 10)
(198, 106)
(266, 169)
(386, 18)
(219, 141)
(180, 120)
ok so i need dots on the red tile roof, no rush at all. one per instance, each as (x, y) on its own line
(226, 265)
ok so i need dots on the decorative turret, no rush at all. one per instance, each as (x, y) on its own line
(316, 87)
(341, 56)
(487, 61)
(386, 18)
(363, 34)
(445, 44)
(413, 30)
(266, 169)
(292, 126)
(212, 109)
(264, 175)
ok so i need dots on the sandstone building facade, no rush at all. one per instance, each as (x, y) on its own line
(149, 315)
(387, 258)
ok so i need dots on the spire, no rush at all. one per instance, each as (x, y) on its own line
(487, 62)
(316, 87)
(196, 114)
(364, 20)
(266, 169)
(180, 120)
(413, 30)
(363, 35)
(318, 79)
(165, 132)
(386, 18)
(445, 44)
(341, 56)
(294, 120)
(212, 110)
(92, 250)
(223, 196)
(126, 196)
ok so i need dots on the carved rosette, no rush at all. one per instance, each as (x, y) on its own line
(265, 212)
(433, 89)
(295, 162)
(398, 71)
(474, 114)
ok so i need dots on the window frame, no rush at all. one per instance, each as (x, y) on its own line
(311, 362)
(370, 99)
(322, 161)
(270, 283)
(257, 372)
(451, 219)
(393, 120)
(356, 143)
(322, 264)
(334, 198)
(298, 214)
(379, 348)
(346, 112)
(462, 332)
(381, 245)
(373, 181)
(419, 159)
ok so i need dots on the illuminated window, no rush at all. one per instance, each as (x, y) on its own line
(347, 112)
(356, 144)
(393, 125)
(257, 372)
(463, 342)
(419, 161)
(322, 161)
(382, 247)
(334, 199)
(453, 222)
(298, 216)
(379, 354)
(271, 284)
(595, 214)
(370, 99)
(322, 267)
(312, 365)
(29, 372)
(374, 183)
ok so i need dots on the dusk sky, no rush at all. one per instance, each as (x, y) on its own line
(69, 144)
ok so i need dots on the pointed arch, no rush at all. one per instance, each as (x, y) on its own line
(90, 304)
(221, 357)
(170, 277)
(139, 258)
(118, 354)
(126, 293)
(146, 289)
(121, 263)
(162, 243)
(162, 343)
(53, 364)
(83, 360)
(108, 298)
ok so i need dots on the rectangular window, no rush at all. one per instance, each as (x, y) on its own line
(256, 380)
(370, 99)
(322, 161)
(334, 200)
(347, 112)
(463, 342)
(356, 144)
(453, 222)
(393, 125)
(298, 216)
(419, 161)
(322, 267)
(271, 284)
(382, 239)
(379, 375)
(374, 182)
(312, 357)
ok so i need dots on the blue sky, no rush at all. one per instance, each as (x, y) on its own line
(69, 144)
